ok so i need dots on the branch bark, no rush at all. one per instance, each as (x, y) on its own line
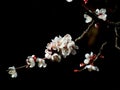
(83, 34)
(100, 50)
(116, 39)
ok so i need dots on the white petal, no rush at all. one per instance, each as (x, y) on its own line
(91, 53)
(47, 51)
(49, 45)
(87, 55)
(103, 11)
(89, 67)
(88, 20)
(86, 61)
(69, 0)
(48, 56)
(40, 65)
(70, 44)
(65, 52)
(93, 67)
(31, 62)
(67, 37)
(97, 11)
(96, 68)
(32, 65)
(103, 17)
(45, 65)
(14, 75)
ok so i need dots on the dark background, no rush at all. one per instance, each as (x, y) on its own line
(26, 32)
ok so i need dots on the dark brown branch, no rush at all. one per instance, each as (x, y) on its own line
(113, 23)
(99, 53)
(82, 35)
(116, 39)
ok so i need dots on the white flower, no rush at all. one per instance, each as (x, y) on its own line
(91, 68)
(88, 18)
(31, 61)
(56, 57)
(12, 72)
(101, 14)
(88, 57)
(41, 62)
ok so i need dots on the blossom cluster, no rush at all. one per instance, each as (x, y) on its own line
(88, 62)
(101, 14)
(30, 63)
(55, 50)
(31, 60)
(60, 47)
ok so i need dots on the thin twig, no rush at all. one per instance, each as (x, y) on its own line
(20, 67)
(116, 39)
(82, 35)
(99, 53)
(113, 23)
(78, 70)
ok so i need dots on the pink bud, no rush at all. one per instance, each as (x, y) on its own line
(101, 56)
(34, 57)
(82, 64)
(85, 1)
(76, 70)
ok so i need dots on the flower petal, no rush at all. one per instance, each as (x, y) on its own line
(86, 61)
(91, 53)
(87, 55)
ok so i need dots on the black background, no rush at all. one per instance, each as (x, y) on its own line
(26, 32)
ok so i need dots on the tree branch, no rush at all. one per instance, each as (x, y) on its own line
(82, 35)
(100, 50)
(116, 39)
